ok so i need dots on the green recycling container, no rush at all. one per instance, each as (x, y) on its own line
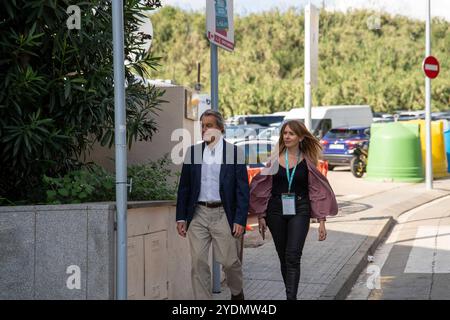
(395, 153)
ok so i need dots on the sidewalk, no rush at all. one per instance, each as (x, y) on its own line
(330, 268)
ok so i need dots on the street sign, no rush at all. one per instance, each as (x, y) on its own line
(220, 23)
(431, 67)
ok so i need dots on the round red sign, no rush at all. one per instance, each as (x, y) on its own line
(431, 67)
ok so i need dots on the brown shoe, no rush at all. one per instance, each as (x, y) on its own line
(239, 296)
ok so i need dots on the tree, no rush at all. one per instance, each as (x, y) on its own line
(56, 87)
(357, 64)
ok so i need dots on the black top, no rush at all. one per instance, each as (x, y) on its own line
(299, 185)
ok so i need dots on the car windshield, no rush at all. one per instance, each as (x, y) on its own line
(341, 133)
(268, 133)
(236, 133)
(242, 132)
(256, 152)
(263, 120)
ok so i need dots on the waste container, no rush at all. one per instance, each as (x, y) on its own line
(394, 153)
(438, 152)
(447, 147)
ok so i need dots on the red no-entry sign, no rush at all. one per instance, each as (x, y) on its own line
(431, 67)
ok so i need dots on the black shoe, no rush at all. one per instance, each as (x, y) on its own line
(240, 296)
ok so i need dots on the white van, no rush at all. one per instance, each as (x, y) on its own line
(327, 117)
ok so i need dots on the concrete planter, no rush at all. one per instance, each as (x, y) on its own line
(68, 252)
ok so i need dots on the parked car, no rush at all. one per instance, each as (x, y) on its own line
(237, 133)
(339, 143)
(272, 133)
(264, 120)
(256, 152)
(379, 117)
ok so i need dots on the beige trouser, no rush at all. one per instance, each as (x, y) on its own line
(211, 225)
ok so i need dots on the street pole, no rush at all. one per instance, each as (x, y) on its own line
(308, 105)
(307, 94)
(120, 148)
(214, 78)
(428, 156)
(311, 58)
(215, 106)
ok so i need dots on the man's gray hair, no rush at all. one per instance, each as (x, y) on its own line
(217, 115)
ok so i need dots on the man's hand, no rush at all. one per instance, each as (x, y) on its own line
(181, 228)
(322, 231)
(238, 230)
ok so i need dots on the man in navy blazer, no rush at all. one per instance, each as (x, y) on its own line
(212, 206)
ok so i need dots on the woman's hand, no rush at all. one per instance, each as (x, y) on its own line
(262, 227)
(322, 231)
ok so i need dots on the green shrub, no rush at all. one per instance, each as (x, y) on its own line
(89, 184)
(150, 181)
(93, 183)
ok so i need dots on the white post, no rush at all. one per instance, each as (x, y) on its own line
(428, 157)
(311, 58)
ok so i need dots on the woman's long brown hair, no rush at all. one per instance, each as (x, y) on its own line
(310, 145)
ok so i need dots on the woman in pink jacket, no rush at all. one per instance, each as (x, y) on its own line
(287, 194)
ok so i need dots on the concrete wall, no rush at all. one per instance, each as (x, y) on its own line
(40, 243)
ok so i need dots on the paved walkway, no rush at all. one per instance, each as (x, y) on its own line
(330, 268)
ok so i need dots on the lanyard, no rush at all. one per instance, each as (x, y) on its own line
(289, 176)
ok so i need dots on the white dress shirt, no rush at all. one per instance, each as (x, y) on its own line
(210, 176)
(212, 160)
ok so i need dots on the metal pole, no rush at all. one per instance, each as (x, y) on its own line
(215, 106)
(214, 78)
(120, 145)
(307, 97)
(428, 156)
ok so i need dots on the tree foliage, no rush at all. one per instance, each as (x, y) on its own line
(357, 65)
(56, 87)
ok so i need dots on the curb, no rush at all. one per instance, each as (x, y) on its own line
(343, 282)
(341, 285)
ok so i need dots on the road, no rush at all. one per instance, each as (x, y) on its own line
(414, 261)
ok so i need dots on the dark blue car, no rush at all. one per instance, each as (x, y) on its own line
(339, 143)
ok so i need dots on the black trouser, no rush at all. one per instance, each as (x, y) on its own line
(289, 235)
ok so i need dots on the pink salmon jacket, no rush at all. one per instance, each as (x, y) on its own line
(321, 195)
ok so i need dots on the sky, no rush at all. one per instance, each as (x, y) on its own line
(411, 8)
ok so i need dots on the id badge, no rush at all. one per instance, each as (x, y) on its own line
(288, 201)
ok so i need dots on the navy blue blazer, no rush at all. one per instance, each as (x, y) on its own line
(234, 188)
